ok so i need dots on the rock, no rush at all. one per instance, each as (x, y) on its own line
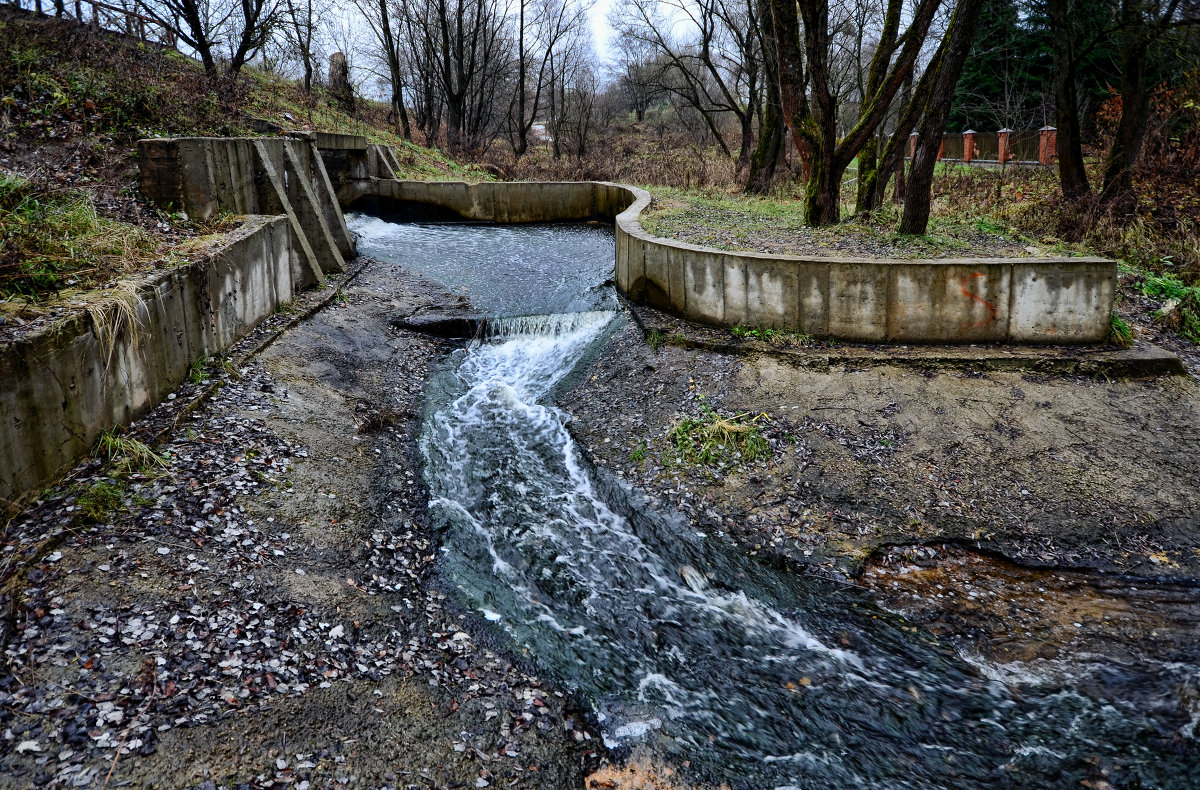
(446, 324)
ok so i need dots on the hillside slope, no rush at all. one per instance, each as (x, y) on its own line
(74, 100)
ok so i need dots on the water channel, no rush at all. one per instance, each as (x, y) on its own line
(681, 643)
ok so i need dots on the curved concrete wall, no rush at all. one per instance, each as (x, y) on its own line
(968, 300)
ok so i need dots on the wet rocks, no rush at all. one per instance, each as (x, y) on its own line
(446, 324)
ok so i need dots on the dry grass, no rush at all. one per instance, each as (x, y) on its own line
(113, 314)
(53, 238)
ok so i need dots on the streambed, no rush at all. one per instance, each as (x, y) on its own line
(677, 640)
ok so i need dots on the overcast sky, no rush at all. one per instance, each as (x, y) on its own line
(601, 33)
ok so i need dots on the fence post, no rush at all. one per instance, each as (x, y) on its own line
(912, 145)
(1003, 153)
(941, 146)
(1047, 145)
(968, 146)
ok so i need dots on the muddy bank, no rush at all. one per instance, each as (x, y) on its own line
(262, 609)
(1046, 470)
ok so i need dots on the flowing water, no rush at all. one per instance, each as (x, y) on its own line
(751, 676)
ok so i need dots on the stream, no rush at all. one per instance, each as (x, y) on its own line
(680, 643)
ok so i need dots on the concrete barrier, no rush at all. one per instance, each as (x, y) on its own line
(208, 176)
(66, 384)
(941, 300)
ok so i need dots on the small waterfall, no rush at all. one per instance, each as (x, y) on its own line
(618, 602)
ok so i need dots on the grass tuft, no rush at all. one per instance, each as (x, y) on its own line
(711, 439)
(1119, 332)
(129, 455)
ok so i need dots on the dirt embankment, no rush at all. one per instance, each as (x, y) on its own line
(1046, 470)
(264, 612)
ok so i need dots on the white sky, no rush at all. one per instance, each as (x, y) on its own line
(601, 32)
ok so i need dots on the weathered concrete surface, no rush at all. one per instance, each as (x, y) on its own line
(974, 300)
(549, 201)
(207, 176)
(66, 385)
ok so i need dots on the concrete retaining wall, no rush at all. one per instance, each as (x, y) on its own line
(208, 176)
(543, 201)
(66, 384)
(969, 300)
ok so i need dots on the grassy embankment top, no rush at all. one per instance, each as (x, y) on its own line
(73, 103)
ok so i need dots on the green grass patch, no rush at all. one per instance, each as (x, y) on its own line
(744, 333)
(197, 373)
(1181, 302)
(710, 439)
(52, 239)
(98, 502)
(1119, 332)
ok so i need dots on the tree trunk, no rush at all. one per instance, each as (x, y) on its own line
(900, 188)
(747, 146)
(1135, 112)
(793, 100)
(1072, 175)
(868, 174)
(929, 140)
(823, 192)
(522, 144)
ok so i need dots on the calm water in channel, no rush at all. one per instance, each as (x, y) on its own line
(680, 642)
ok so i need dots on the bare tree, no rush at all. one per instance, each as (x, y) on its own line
(244, 26)
(379, 15)
(815, 126)
(546, 30)
(458, 49)
(771, 126)
(301, 21)
(709, 55)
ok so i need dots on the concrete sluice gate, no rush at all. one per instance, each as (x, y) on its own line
(292, 191)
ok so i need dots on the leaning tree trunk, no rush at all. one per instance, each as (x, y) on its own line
(1135, 113)
(929, 138)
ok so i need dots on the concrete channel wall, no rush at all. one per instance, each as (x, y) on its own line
(67, 383)
(968, 300)
(106, 366)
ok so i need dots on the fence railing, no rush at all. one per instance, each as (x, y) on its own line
(1031, 147)
(122, 19)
